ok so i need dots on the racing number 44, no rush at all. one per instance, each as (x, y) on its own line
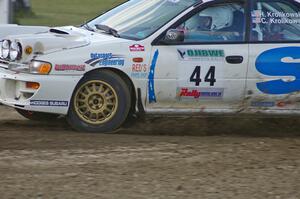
(209, 77)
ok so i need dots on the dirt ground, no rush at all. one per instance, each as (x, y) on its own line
(231, 157)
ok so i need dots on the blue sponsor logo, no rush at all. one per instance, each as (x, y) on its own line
(279, 62)
(101, 55)
(112, 62)
(49, 103)
(105, 59)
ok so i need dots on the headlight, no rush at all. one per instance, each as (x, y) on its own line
(40, 67)
(15, 52)
(5, 49)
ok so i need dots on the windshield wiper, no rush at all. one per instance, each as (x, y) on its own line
(107, 29)
(86, 25)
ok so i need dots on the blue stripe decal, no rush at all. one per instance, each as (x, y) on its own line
(152, 97)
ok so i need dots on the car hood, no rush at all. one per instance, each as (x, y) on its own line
(57, 39)
(13, 29)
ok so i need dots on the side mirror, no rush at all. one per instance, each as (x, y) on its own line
(174, 36)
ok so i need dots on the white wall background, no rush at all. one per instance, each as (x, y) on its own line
(4, 11)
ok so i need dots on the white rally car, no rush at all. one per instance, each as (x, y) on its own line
(156, 56)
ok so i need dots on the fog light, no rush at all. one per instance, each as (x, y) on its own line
(32, 85)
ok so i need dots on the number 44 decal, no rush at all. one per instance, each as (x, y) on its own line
(209, 77)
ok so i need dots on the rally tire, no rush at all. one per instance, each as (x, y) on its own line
(100, 103)
(37, 116)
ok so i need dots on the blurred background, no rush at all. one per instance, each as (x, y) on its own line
(54, 12)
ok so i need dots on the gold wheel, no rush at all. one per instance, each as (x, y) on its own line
(96, 102)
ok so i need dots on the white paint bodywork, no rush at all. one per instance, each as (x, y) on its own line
(171, 73)
(13, 29)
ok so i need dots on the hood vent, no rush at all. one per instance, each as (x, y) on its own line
(58, 31)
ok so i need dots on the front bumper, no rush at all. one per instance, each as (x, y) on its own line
(53, 95)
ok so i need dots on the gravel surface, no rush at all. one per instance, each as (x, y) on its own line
(230, 157)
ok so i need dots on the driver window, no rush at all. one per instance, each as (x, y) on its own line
(275, 21)
(221, 24)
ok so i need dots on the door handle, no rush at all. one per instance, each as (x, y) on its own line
(234, 59)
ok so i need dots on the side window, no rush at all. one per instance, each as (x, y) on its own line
(221, 24)
(274, 21)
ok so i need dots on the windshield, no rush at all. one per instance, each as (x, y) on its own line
(137, 19)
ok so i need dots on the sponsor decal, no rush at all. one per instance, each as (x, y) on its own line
(139, 71)
(151, 89)
(105, 59)
(101, 55)
(112, 62)
(200, 93)
(136, 48)
(263, 104)
(201, 54)
(67, 67)
(49, 103)
(279, 62)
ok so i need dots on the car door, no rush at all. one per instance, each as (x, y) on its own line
(206, 70)
(274, 65)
